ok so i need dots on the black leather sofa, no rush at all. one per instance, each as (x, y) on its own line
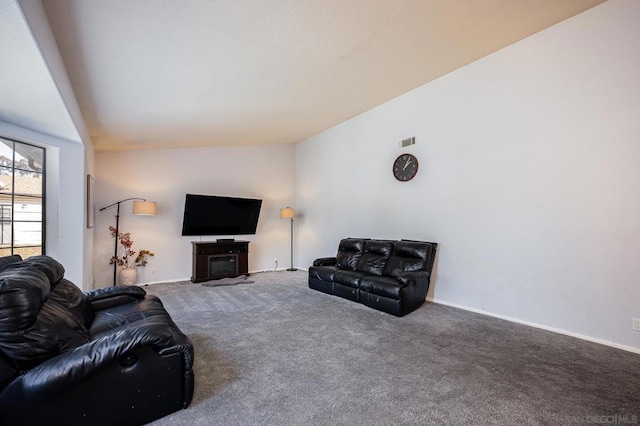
(111, 356)
(391, 276)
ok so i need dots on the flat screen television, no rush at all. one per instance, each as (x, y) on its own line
(213, 215)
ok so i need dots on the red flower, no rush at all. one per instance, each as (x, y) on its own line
(129, 259)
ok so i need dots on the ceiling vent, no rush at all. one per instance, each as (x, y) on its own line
(407, 142)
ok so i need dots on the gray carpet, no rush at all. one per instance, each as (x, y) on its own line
(277, 353)
(242, 279)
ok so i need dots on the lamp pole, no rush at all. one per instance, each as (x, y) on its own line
(292, 268)
(115, 246)
(289, 213)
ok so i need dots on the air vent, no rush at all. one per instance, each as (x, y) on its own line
(407, 142)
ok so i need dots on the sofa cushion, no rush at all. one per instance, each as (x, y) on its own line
(383, 286)
(375, 256)
(349, 252)
(41, 314)
(408, 256)
(71, 298)
(322, 273)
(63, 291)
(348, 278)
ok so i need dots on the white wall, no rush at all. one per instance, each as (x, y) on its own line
(528, 178)
(165, 176)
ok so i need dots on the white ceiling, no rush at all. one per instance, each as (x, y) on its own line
(171, 73)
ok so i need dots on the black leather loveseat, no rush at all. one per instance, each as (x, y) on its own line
(112, 356)
(391, 276)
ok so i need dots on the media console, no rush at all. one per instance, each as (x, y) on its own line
(219, 259)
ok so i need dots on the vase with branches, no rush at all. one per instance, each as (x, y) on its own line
(130, 258)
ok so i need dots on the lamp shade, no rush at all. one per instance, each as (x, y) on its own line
(148, 208)
(287, 213)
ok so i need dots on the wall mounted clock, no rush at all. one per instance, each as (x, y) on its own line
(405, 167)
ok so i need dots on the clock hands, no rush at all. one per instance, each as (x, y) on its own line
(405, 167)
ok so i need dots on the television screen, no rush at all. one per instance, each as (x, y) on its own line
(212, 215)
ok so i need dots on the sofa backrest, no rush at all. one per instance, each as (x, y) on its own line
(431, 254)
(385, 257)
(41, 313)
(375, 256)
(349, 253)
(408, 256)
(7, 260)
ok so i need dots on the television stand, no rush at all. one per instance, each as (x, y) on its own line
(219, 259)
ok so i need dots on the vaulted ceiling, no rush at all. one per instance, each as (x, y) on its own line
(170, 73)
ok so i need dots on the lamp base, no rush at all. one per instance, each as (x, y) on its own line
(292, 269)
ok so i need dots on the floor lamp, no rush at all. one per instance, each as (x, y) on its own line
(289, 213)
(140, 207)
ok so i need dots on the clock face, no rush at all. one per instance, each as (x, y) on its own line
(405, 167)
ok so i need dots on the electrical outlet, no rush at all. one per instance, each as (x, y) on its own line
(636, 324)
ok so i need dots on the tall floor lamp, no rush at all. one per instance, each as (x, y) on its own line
(289, 213)
(140, 207)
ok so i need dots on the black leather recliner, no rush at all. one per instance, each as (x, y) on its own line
(106, 357)
(388, 275)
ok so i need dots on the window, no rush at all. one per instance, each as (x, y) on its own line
(21, 198)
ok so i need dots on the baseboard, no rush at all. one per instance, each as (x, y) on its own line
(189, 278)
(284, 268)
(163, 282)
(536, 325)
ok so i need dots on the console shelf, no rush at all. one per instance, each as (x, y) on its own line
(219, 259)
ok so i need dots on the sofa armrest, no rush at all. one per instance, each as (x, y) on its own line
(68, 369)
(410, 279)
(103, 298)
(325, 261)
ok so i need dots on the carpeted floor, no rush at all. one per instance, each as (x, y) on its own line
(274, 352)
